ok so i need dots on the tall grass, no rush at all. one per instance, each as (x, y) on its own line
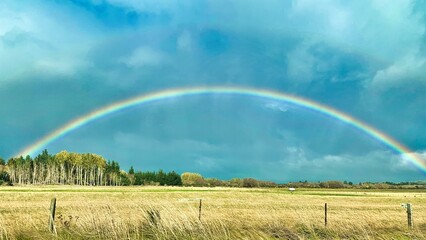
(131, 213)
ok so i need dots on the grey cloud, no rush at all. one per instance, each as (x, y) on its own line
(319, 61)
(406, 71)
(376, 166)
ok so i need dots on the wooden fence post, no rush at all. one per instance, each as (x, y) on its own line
(325, 214)
(409, 215)
(199, 211)
(52, 227)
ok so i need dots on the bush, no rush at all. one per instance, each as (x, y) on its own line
(236, 182)
(332, 184)
(250, 182)
(214, 182)
(193, 179)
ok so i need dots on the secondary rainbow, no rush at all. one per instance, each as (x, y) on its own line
(219, 90)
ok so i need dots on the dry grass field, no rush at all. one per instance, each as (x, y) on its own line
(227, 213)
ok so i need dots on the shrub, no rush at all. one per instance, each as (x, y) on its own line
(192, 179)
(250, 182)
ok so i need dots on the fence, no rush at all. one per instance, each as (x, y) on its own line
(154, 215)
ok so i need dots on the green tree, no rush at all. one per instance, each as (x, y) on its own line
(124, 179)
(138, 178)
(4, 176)
(161, 177)
(112, 173)
(173, 179)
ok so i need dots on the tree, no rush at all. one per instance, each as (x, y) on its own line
(131, 175)
(43, 163)
(236, 182)
(81, 169)
(250, 183)
(332, 184)
(138, 178)
(112, 173)
(268, 184)
(161, 178)
(124, 179)
(173, 179)
(192, 179)
(214, 182)
(63, 159)
(4, 176)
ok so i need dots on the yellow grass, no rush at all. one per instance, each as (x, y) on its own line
(227, 213)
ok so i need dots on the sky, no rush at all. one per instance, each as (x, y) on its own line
(60, 60)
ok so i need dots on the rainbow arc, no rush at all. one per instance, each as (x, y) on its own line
(219, 90)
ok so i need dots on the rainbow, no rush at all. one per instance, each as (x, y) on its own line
(245, 91)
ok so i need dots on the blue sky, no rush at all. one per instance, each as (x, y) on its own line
(62, 59)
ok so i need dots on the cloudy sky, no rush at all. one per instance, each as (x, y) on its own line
(62, 59)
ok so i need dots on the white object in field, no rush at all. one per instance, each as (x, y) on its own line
(403, 205)
(292, 189)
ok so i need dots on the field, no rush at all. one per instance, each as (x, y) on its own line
(227, 213)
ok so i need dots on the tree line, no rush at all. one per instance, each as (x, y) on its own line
(77, 169)
(94, 170)
(197, 180)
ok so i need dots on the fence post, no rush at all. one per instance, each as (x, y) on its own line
(199, 211)
(52, 227)
(409, 215)
(325, 214)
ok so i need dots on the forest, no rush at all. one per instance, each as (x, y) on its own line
(78, 169)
